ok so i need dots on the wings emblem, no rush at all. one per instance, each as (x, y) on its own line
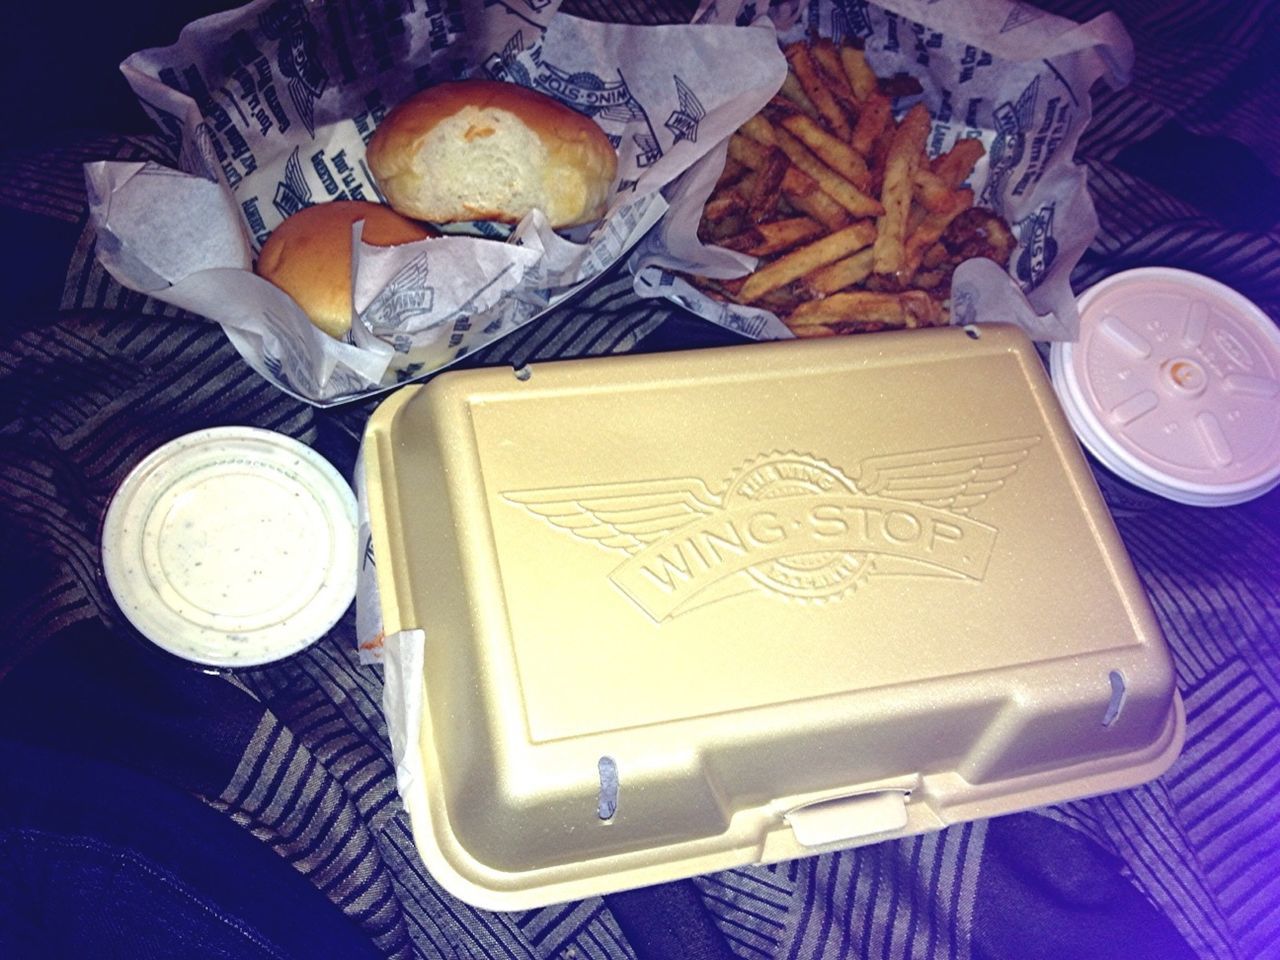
(405, 300)
(514, 47)
(688, 546)
(623, 516)
(1026, 108)
(952, 478)
(683, 123)
(629, 516)
(293, 192)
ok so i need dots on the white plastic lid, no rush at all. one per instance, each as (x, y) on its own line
(1174, 384)
(232, 547)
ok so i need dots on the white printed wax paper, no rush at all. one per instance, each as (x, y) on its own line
(273, 104)
(1001, 70)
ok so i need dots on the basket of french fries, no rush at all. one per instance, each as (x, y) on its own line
(905, 175)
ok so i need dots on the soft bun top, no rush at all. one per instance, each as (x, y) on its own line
(483, 150)
(309, 255)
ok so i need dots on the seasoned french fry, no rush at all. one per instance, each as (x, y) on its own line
(724, 205)
(792, 90)
(930, 231)
(861, 78)
(904, 157)
(748, 151)
(954, 166)
(733, 172)
(840, 190)
(909, 309)
(779, 107)
(806, 259)
(709, 232)
(827, 58)
(915, 218)
(876, 114)
(835, 153)
(807, 73)
(763, 133)
(760, 130)
(810, 330)
(932, 191)
(741, 241)
(776, 236)
(847, 272)
(803, 193)
(928, 279)
(781, 301)
(765, 193)
(716, 288)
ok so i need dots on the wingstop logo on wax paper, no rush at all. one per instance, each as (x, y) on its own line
(609, 100)
(1037, 247)
(849, 18)
(1012, 121)
(789, 525)
(404, 300)
(683, 122)
(506, 66)
(298, 56)
(293, 192)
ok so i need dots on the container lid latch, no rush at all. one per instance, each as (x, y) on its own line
(847, 818)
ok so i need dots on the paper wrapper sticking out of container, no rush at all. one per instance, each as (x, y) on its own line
(272, 105)
(662, 615)
(1012, 76)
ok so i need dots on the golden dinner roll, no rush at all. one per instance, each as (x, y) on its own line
(482, 150)
(309, 255)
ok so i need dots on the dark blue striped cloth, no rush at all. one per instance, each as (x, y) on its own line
(1183, 168)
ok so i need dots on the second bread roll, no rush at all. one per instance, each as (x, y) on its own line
(309, 255)
(482, 150)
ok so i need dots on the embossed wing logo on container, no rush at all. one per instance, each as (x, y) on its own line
(790, 524)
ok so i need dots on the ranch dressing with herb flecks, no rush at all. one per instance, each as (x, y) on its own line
(232, 547)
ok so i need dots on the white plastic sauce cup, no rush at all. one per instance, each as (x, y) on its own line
(232, 547)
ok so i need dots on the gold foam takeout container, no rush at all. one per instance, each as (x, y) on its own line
(685, 612)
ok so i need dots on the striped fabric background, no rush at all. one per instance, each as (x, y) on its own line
(96, 376)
